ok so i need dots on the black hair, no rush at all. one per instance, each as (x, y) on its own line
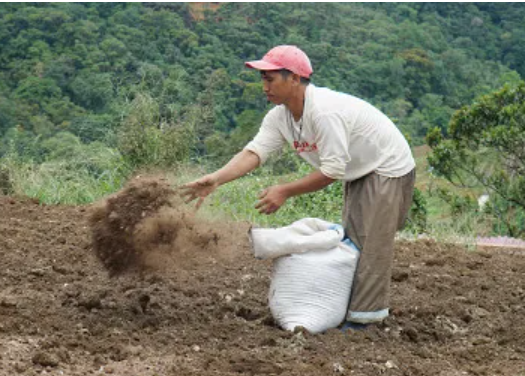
(285, 73)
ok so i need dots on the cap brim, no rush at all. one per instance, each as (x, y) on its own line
(262, 65)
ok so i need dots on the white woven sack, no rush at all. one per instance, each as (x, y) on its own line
(312, 274)
(304, 235)
(313, 289)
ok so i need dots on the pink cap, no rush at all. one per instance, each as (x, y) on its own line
(284, 57)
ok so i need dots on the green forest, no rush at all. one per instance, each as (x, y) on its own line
(90, 92)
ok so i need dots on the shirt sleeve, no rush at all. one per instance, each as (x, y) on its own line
(268, 140)
(332, 143)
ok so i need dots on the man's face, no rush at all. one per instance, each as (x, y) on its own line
(277, 88)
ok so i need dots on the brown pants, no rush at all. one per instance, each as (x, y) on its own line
(376, 207)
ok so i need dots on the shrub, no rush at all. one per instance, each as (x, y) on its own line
(145, 139)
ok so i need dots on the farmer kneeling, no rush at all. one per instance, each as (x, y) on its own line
(344, 138)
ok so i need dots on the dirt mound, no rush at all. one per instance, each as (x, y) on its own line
(455, 312)
(147, 226)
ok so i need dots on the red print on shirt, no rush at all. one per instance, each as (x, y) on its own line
(304, 147)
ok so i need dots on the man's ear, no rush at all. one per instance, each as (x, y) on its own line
(296, 79)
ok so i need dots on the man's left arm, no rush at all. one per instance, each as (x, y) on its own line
(272, 198)
(332, 143)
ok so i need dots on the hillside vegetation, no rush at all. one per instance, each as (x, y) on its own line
(90, 92)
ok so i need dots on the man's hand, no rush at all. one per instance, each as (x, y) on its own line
(200, 189)
(271, 199)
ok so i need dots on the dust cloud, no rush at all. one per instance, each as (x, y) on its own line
(146, 226)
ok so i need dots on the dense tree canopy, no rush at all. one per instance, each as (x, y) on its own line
(78, 67)
(104, 88)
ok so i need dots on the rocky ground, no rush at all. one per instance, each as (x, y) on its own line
(203, 309)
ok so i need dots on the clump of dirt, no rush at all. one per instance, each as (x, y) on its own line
(147, 226)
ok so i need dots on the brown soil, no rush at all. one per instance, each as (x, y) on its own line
(147, 227)
(455, 311)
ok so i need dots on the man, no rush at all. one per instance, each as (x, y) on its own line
(344, 138)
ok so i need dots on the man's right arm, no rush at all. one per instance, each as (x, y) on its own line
(267, 140)
(244, 162)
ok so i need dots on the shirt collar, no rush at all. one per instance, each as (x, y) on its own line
(308, 94)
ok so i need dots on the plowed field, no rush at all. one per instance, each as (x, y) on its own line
(202, 310)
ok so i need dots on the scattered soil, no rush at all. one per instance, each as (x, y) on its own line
(147, 226)
(70, 304)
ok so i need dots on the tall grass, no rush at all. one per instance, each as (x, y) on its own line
(72, 181)
(237, 199)
(90, 172)
(54, 183)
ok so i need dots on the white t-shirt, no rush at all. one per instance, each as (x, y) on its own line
(342, 136)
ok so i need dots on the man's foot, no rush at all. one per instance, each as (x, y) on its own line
(355, 326)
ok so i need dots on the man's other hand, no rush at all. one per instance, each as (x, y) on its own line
(271, 199)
